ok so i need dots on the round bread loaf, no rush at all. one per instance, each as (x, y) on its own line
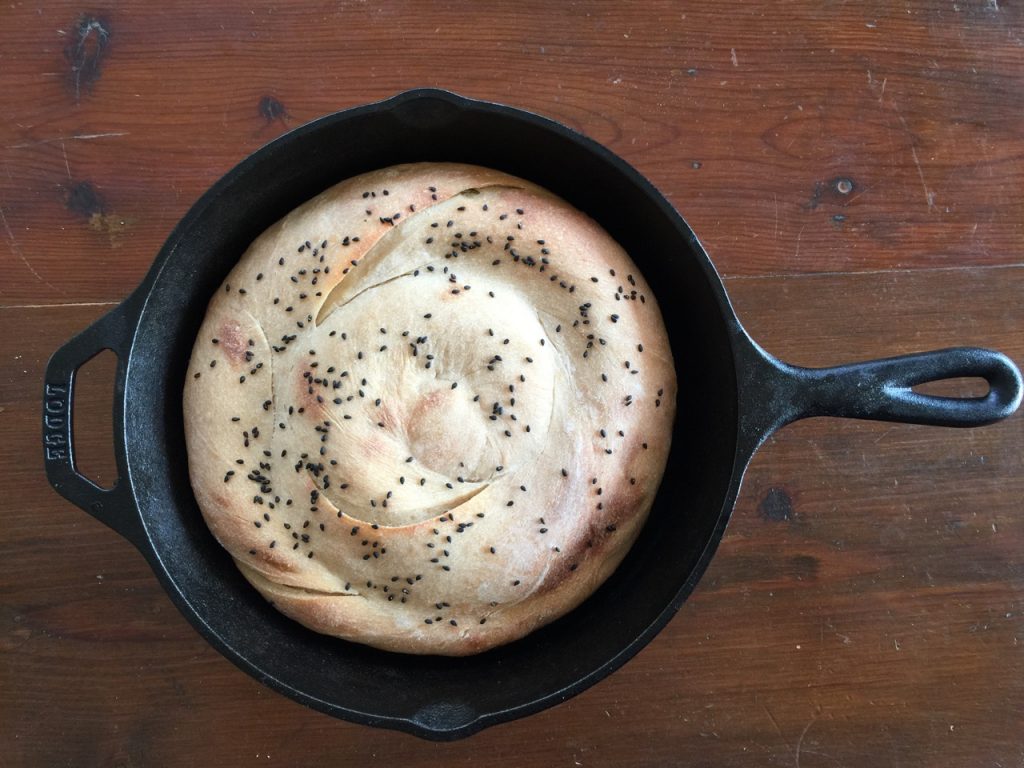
(429, 409)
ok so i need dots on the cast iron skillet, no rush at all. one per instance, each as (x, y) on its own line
(732, 396)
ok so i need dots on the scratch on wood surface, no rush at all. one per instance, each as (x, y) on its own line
(884, 435)
(800, 741)
(16, 250)
(798, 236)
(67, 165)
(823, 754)
(776, 199)
(801, 750)
(929, 196)
(732, 56)
(775, 723)
(62, 139)
(860, 191)
(871, 85)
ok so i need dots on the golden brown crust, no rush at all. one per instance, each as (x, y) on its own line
(429, 409)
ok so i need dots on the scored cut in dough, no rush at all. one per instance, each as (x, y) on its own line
(429, 409)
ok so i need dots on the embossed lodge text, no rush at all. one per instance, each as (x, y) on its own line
(55, 421)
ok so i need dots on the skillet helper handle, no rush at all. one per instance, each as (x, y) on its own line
(882, 390)
(110, 506)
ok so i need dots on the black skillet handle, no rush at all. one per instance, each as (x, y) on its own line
(113, 506)
(882, 389)
(774, 393)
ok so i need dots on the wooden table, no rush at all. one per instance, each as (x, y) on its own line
(856, 170)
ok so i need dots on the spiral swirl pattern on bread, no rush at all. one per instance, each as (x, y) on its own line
(429, 409)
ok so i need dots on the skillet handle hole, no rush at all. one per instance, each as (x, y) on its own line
(958, 387)
(93, 425)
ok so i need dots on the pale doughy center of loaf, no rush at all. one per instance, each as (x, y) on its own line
(447, 431)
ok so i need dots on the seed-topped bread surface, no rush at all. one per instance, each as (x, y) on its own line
(429, 409)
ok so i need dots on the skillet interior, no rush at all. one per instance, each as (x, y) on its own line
(433, 696)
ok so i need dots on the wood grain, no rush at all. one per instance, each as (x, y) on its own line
(748, 121)
(866, 606)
